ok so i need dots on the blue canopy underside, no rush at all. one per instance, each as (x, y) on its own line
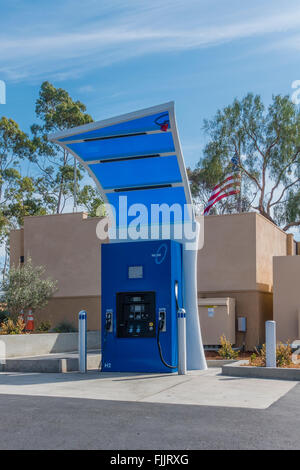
(146, 171)
(139, 145)
(143, 124)
(137, 158)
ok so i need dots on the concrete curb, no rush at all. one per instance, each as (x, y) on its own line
(40, 344)
(50, 364)
(219, 362)
(239, 370)
(69, 363)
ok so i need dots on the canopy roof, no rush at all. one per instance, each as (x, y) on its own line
(137, 155)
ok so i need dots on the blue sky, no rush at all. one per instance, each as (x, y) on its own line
(119, 56)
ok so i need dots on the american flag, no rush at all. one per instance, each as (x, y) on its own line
(229, 186)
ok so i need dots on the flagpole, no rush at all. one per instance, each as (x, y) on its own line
(240, 196)
(237, 158)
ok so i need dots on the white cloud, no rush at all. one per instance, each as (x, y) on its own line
(86, 89)
(112, 33)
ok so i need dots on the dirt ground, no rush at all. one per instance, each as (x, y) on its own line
(214, 355)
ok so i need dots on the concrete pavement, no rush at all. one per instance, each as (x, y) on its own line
(202, 410)
(201, 388)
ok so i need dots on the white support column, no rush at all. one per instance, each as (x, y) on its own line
(82, 341)
(181, 329)
(270, 344)
(195, 352)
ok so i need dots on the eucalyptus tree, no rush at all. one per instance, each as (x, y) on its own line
(17, 192)
(266, 143)
(58, 176)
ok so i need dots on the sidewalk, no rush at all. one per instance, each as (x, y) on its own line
(207, 388)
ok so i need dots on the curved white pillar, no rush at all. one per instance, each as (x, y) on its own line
(195, 352)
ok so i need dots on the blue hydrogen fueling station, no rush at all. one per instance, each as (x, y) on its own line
(149, 311)
(142, 294)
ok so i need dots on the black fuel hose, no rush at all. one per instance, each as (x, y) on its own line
(160, 325)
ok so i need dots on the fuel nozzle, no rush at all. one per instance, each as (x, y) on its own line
(162, 326)
(108, 320)
(162, 319)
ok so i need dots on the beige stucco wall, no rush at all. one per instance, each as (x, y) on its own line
(237, 261)
(287, 297)
(270, 242)
(238, 252)
(227, 260)
(65, 309)
(16, 241)
(68, 246)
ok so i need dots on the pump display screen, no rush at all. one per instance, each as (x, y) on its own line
(135, 314)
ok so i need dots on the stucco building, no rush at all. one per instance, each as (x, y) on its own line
(287, 297)
(236, 261)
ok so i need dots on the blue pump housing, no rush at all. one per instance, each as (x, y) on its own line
(138, 285)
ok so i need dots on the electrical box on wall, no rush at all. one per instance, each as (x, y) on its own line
(139, 305)
(242, 324)
(217, 318)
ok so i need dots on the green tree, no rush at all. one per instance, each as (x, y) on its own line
(21, 199)
(266, 141)
(25, 287)
(59, 175)
(89, 198)
(15, 146)
(17, 193)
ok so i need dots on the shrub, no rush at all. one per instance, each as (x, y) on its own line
(283, 356)
(258, 359)
(44, 326)
(25, 288)
(64, 327)
(253, 358)
(226, 351)
(10, 327)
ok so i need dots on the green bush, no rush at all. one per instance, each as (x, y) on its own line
(258, 358)
(44, 326)
(64, 327)
(226, 351)
(283, 356)
(26, 288)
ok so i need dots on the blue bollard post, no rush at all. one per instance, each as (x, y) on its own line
(82, 341)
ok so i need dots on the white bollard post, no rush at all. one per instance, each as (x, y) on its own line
(181, 328)
(82, 342)
(270, 344)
